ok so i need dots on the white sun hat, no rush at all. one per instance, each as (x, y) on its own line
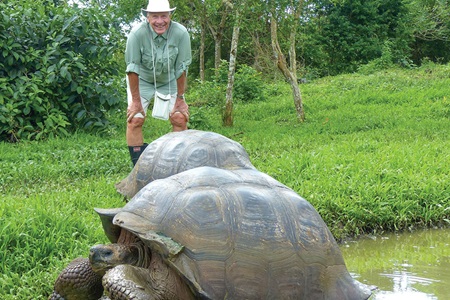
(157, 6)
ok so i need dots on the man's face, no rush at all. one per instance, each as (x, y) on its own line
(159, 21)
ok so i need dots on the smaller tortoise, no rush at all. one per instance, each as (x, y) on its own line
(176, 152)
(209, 233)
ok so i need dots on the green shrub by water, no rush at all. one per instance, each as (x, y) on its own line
(372, 156)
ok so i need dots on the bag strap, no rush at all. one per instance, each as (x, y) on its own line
(153, 58)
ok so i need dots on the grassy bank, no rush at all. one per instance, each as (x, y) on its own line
(372, 156)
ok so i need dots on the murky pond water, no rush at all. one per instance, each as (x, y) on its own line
(412, 266)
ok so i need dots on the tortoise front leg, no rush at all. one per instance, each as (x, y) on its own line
(77, 281)
(158, 282)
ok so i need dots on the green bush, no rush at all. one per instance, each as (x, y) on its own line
(206, 93)
(56, 69)
(386, 61)
(248, 83)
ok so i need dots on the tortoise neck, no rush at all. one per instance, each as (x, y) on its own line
(127, 237)
(143, 256)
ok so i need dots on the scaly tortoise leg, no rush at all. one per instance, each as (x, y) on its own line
(159, 282)
(77, 281)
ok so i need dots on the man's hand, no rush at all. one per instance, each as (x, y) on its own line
(133, 109)
(182, 107)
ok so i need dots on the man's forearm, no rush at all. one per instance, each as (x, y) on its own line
(133, 82)
(181, 84)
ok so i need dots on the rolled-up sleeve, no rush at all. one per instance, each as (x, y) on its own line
(184, 58)
(133, 54)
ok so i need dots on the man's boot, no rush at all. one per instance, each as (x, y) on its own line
(135, 152)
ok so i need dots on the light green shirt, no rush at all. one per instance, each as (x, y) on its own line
(168, 66)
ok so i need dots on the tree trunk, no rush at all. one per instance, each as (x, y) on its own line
(202, 53)
(217, 33)
(217, 52)
(228, 113)
(290, 75)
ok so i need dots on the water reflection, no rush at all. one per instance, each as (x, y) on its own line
(412, 266)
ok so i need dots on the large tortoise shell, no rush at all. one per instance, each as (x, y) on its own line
(176, 152)
(238, 235)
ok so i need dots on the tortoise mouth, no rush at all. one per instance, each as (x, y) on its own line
(100, 267)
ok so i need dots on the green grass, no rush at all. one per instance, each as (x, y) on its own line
(372, 156)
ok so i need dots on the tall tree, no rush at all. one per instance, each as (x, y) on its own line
(431, 19)
(218, 14)
(228, 113)
(354, 32)
(431, 30)
(290, 14)
(256, 45)
(211, 15)
(201, 58)
(200, 14)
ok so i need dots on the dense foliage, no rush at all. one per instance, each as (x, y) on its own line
(353, 33)
(57, 69)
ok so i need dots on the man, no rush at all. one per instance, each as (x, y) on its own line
(157, 55)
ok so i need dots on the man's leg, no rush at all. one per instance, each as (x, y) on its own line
(134, 135)
(135, 138)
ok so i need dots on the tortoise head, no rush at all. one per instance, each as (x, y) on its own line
(129, 250)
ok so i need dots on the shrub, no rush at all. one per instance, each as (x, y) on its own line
(248, 83)
(56, 69)
(207, 93)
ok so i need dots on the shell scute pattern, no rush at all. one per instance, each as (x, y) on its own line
(244, 236)
(176, 152)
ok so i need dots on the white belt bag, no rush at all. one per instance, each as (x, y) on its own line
(162, 105)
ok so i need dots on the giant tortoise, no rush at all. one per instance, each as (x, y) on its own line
(176, 152)
(210, 233)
